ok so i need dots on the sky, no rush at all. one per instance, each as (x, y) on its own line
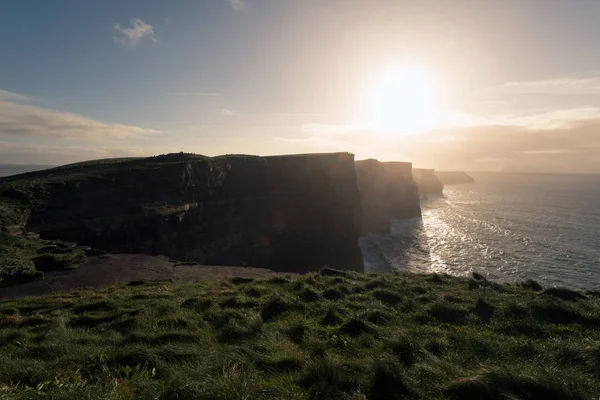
(473, 85)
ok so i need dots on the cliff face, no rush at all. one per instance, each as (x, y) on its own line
(427, 182)
(454, 177)
(407, 203)
(388, 191)
(287, 213)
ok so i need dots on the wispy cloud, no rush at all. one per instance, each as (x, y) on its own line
(6, 95)
(225, 112)
(237, 5)
(327, 129)
(544, 141)
(549, 151)
(557, 86)
(44, 154)
(209, 94)
(23, 120)
(298, 115)
(536, 120)
(132, 35)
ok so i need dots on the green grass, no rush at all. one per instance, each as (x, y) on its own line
(19, 194)
(24, 259)
(380, 336)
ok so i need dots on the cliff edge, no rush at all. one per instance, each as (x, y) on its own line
(454, 177)
(293, 213)
(388, 191)
(428, 182)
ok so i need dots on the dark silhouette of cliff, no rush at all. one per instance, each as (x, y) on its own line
(427, 182)
(454, 177)
(287, 213)
(388, 191)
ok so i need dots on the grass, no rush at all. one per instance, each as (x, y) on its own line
(19, 194)
(388, 336)
(24, 259)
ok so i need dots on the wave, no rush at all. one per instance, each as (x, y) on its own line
(489, 229)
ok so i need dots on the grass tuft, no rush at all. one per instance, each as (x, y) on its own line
(388, 297)
(469, 389)
(448, 314)
(333, 272)
(355, 327)
(483, 310)
(332, 294)
(332, 317)
(478, 277)
(275, 308)
(388, 382)
(309, 295)
(531, 285)
(563, 294)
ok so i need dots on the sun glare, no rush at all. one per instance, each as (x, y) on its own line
(402, 101)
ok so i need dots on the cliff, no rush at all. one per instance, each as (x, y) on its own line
(427, 182)
(286, 213)
(388, 191)
(454, 177)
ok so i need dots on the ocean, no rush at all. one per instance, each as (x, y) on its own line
(11, 169)
(508, 227)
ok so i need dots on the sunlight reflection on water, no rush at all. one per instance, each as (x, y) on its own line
(508, 227)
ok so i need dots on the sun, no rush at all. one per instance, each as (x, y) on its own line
(402, 101)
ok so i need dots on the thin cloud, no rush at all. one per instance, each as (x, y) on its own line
(24, 120)
(225, 112)
(32, 153)
(237, 5)
(557, 86)
(6, 95)
(133, 35)
(298, 115)
(545, 120)
(549, 151)
(547, 141)
(208, 94)
(540, 120)
(331, 129)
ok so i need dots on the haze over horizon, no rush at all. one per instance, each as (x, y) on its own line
(455, 85)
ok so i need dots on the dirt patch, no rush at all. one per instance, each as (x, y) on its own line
(121, 268)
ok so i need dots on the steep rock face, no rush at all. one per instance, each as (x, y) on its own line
(427, 182)
(407, 204)
(454, 177)
(388, 191)
(286, 213)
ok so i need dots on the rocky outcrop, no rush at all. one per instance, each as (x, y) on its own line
(454, 177)
(427, 182)
(286, 213)
(388, 191)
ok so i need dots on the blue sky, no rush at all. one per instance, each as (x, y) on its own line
(513, 85)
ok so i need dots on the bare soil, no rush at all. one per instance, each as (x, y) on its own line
(121, 268)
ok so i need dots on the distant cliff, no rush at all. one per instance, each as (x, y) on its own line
(427, 182)
(287, 213)
(454, 177)
(388, 191)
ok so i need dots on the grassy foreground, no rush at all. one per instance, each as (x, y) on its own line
(24, 259)
(327, 335)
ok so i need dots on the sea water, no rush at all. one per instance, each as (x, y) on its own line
(509, 227)
(7, 170)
